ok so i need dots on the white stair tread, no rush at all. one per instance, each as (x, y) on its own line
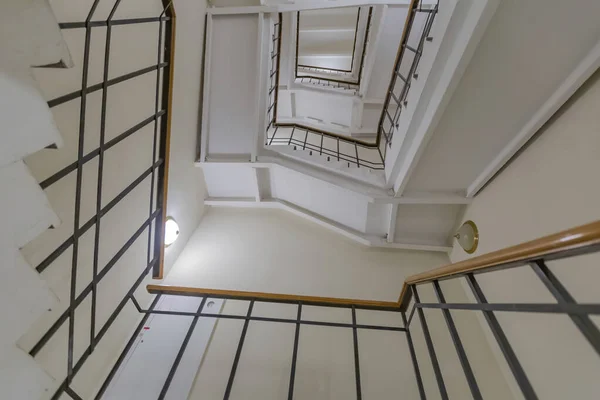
(30, 35)
(25, 209)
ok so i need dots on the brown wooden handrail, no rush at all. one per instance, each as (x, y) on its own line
(244, 295)
(570, 239)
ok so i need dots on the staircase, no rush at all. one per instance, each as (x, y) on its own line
(84, 140)
(29, 38)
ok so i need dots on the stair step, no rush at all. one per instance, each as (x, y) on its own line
(27, 120)
(30, 300)
(24, 207)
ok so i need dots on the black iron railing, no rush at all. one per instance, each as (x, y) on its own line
(326, 83)
(156, 172)
(406, 67)
(532, 255)
(300, 321)
(337, 147)
(535, 255)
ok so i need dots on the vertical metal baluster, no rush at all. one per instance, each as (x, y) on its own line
(356, 149)
(295, 353)
(413, 357)
(273, 137)
(100, 173)
(460, 350)
(292, 135)
(179, 356)
(338, 149)
(128, 347)
(79, 177)
(434, 361)
(238, 353)
(305, 139)
(503, 343)
(356, 359)
(321, 148)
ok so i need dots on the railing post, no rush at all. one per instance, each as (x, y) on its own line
(356, 358)
(434, 361)
(295, 353)
(413, 357)
(502, 341)
(460, 350)
(238, 353)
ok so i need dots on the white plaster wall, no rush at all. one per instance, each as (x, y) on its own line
(271, 251)
(549, 187)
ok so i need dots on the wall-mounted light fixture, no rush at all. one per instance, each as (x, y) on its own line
(171, 231)
(467, 236)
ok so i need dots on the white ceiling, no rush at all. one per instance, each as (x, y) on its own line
(528, 50)
(232, 106)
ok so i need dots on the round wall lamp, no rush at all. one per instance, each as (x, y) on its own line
(467, 236)
(171, 231)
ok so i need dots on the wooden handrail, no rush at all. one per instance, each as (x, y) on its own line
(170, 11)
(570, 239)
(244, 295)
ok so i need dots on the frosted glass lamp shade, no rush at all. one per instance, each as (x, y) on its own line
(171, 231)
(467, 237)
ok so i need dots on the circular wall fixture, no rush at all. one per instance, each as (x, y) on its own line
(171, 231)
(467, 236)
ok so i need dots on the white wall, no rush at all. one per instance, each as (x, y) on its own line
(550, 187)
(271, 251)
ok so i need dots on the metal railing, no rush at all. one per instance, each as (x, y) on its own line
(249, 318)
(400, 82)
(533, 255)
(157, 171)
(337, 147)
(326, 83)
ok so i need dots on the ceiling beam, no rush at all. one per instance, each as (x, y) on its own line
(357, 236)
(424, 198)
(391, 232)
